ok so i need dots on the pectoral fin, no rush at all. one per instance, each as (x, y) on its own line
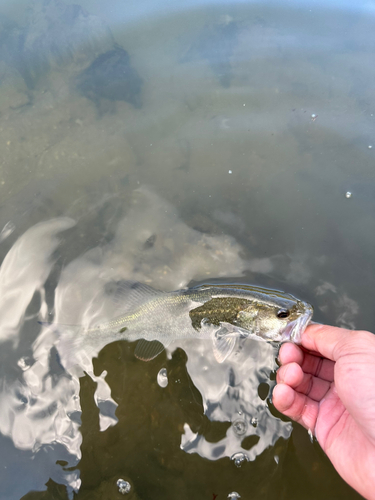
(147, 350)
(223, 344)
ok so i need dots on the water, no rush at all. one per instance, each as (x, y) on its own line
(237, 148)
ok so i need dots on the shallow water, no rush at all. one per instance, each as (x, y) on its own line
(224, 154)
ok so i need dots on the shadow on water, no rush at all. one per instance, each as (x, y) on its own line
(204, 143)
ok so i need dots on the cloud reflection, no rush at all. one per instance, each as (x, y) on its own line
(230, 394)
(40, 405)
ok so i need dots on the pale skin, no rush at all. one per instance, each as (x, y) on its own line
(328, 386)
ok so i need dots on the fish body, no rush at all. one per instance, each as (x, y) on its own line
(222, 313)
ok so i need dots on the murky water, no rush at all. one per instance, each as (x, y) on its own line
(175, 143)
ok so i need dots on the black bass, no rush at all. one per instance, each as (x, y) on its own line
(222, 313)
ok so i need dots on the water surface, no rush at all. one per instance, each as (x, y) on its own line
(175, 144)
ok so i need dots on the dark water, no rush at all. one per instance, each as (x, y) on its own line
(175, 143)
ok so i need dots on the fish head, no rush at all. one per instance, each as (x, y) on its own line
(280, 320)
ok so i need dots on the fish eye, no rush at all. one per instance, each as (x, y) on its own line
(283, 313)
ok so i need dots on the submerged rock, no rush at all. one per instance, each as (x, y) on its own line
(111, 77)
(57, 34)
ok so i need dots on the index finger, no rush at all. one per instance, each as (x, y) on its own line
(330, 341)
(311, 363)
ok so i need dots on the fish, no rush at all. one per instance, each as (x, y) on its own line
(220, 312)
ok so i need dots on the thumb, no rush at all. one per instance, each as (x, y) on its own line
(332, 342)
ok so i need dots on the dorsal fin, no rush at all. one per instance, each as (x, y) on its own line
(128, 295)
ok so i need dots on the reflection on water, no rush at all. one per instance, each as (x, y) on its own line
(231, 394)
(41, 406)
(249, 123)
(49, 396)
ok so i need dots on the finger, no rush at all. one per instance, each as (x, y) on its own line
(297, 406)
(290, 353)
(304, 383)
(290, 374)
(318, 366)
(330, 341)
(313, 387)
(310, 363)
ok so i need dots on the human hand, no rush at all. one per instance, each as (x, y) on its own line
(328, 386)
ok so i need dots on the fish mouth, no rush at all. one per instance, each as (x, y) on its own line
(294, 330)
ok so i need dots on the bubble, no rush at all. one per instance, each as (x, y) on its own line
(277, 459)
(230, 172)
(162, 378)
(239, 427)
(234, 495)
(123, 486)
(239, 458)
(370, 146)
(348, 194)
(254, 422)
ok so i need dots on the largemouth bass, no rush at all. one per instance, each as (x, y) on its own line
(222, 313)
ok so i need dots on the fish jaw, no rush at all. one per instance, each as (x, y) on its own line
(294, 330)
